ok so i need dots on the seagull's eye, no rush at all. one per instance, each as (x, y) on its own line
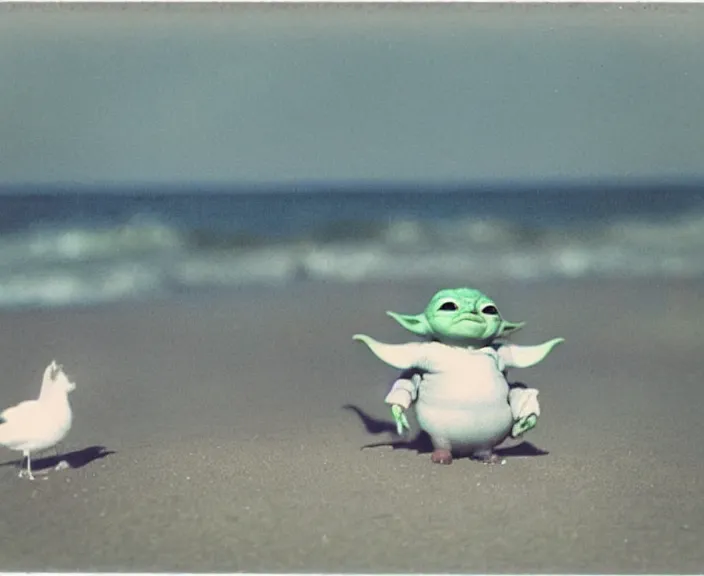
(448, 306)
(490, 310)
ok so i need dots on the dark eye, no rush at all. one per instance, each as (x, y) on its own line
(491, 310)
(448, 306)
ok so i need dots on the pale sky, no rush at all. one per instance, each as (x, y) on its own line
(257, 93)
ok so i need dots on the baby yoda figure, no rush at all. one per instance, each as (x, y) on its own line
(457, 377)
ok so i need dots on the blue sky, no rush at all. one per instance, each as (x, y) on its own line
(262, 94)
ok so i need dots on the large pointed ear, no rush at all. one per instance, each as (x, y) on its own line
(510, 327)
(416, 324)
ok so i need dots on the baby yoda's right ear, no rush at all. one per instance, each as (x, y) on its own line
(414, 323)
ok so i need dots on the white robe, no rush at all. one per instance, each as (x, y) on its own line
(462, 398)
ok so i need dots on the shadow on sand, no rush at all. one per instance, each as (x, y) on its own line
(422, 443)
(75, 459)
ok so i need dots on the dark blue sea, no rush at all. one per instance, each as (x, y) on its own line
(68, 246)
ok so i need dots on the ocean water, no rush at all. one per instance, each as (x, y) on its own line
(86, 246)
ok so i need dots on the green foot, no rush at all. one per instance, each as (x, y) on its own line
(523, 425)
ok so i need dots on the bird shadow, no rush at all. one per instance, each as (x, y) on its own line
(75, 459)
(422, 444)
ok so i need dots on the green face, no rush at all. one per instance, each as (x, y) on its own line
(463, 314)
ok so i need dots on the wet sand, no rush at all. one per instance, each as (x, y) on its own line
(248, 432)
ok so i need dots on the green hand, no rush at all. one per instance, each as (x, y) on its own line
(400, 419)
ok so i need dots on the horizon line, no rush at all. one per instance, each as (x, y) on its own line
(355, 184)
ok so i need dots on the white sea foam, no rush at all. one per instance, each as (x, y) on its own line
(75, 266)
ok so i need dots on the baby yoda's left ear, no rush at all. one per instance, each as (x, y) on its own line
(415, 323)
(510, 327)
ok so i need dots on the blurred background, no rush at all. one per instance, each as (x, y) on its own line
(148, 151)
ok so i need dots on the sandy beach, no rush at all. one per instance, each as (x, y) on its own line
(248, 432)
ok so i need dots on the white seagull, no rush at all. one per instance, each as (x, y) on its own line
(36, 425)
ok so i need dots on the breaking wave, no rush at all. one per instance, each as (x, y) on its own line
(144, 257)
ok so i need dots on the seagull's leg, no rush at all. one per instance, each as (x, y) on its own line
(29, 466)
(21, 473)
